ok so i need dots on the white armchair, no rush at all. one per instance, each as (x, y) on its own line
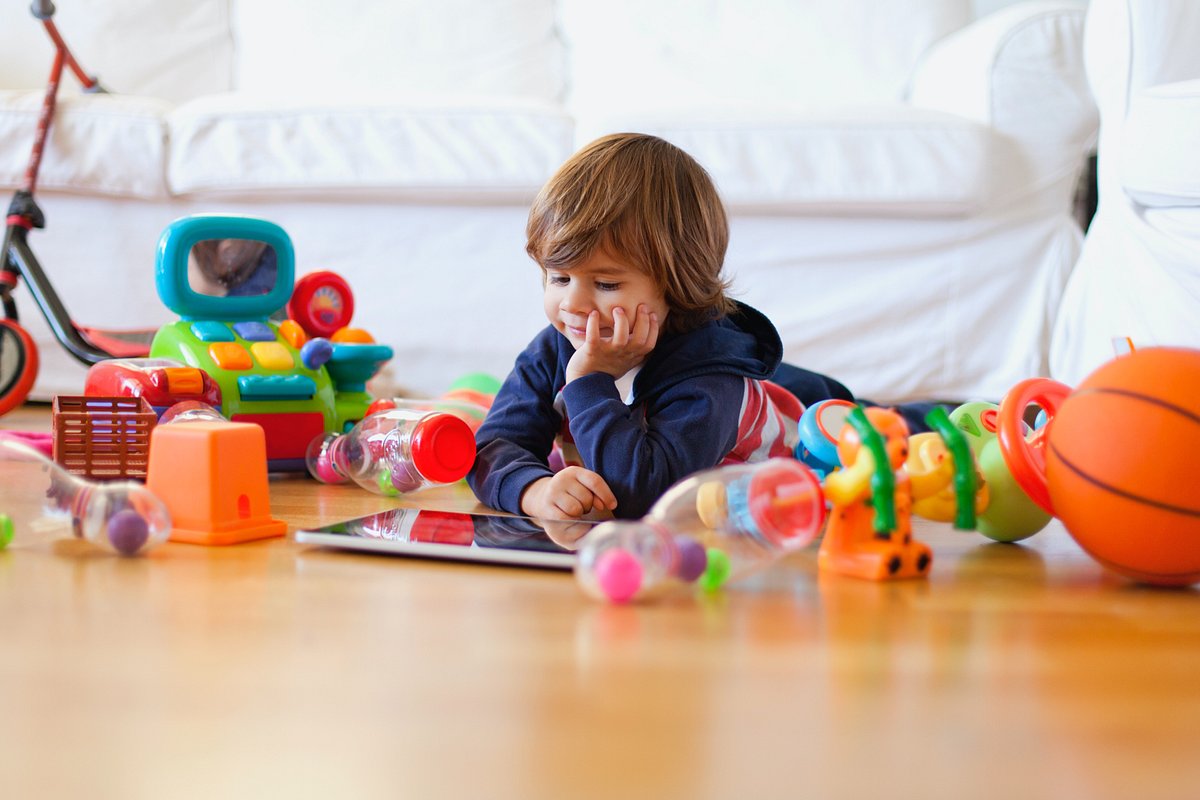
(900, 178)
(1139, 274)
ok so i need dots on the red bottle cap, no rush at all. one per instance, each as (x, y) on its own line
(443, 448)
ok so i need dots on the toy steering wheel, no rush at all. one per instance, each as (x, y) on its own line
(1026, 458)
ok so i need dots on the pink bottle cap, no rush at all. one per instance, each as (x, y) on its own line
(443, 448)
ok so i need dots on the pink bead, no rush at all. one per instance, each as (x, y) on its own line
(325, 471)
(618, 574)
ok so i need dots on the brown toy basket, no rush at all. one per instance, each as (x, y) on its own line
(103, 438)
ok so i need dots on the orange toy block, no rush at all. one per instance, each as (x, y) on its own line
(213, 478)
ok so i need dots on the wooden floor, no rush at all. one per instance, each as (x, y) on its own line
(279, 670)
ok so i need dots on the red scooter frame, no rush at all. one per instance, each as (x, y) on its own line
(18, 354)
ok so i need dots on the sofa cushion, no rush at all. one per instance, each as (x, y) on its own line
(172, 50)
(1163, 122)
(381, 47)
(103, 144)
(634, 55)
(856, 161)
(248, 146)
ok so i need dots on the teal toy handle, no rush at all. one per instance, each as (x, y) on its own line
(883, 482)
(964, 467)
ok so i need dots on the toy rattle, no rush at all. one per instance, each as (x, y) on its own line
(123, 517)
(870, 526)
(399, 450)
(711, 528)
(1004, 511)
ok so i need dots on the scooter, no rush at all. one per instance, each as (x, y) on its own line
(18, 353)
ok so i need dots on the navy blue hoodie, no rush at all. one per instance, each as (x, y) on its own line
(684, 414)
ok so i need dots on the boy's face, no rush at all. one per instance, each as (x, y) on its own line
(602, 283)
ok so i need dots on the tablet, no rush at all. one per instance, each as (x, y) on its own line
(486, 538)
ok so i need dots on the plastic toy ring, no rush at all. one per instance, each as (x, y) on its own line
(1026, 458)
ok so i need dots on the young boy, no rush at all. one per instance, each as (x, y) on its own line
(648, 371)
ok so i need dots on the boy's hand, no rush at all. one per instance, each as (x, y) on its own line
(566, 533)
(628, 347)
(568, 494)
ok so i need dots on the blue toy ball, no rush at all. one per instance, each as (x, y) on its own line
(820, 425)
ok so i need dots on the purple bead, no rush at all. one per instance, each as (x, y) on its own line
(127, 531)
(405, 477)
(693, 560)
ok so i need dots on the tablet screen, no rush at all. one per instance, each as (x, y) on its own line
(488, 538)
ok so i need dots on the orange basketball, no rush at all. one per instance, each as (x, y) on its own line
(1123, 465)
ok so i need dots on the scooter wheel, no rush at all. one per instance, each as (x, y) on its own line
(18, 365)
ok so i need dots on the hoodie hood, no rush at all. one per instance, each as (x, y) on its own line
(745, 343)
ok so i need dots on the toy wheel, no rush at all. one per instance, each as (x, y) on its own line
(1026, 458)
(321, 303)
(18, 365)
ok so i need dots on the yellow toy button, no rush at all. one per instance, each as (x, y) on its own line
(292, 333)
(230, 355)
(272, 355)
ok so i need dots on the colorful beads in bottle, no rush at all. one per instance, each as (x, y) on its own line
(121, 516)
(399, 450)
(713, 527)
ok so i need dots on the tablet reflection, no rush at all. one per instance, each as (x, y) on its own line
(465, 530)
(524, 533)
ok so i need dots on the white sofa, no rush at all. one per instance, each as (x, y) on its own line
(900, 177)
(1139, 274)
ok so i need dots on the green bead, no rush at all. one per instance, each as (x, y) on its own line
(385, 484)
(717, 571)
(6, 530)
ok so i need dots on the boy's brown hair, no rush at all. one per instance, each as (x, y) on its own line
(641, 199)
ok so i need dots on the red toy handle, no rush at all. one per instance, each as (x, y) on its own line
(1026, 458)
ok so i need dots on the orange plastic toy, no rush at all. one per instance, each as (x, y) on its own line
(213, 478)
(1119, 461)
(853, 545)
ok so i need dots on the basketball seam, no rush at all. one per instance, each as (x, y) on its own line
(1190, 512)
(1158, 401)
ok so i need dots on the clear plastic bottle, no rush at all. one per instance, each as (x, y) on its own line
(399, 450)
(123, 517)
(713, 527)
